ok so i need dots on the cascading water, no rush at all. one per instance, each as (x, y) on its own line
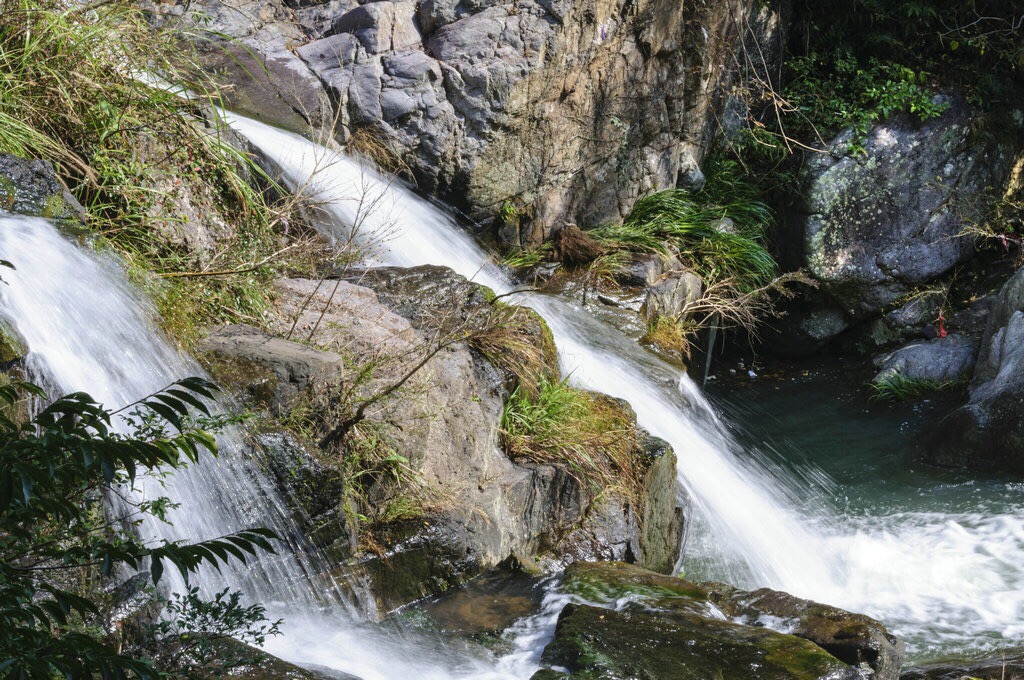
(945, 580)
(87, 331)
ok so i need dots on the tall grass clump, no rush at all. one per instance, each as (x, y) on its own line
(719, 231)
(896, 386)
(591, 434)
(146, 164)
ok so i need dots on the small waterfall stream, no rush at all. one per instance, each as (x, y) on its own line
(945, 579)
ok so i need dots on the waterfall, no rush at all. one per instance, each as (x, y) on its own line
(86, 330)
(946, 580)
(748, 511)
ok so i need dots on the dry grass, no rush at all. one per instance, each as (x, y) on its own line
(517, 341)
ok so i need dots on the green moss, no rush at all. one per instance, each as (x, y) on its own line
(608, 582)
(12, 347)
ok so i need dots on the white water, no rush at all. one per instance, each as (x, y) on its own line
(88, 331)
(945, 581)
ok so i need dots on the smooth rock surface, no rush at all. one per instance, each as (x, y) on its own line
(987, 433)
(940, 360)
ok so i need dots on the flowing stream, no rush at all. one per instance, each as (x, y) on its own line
(945, 575)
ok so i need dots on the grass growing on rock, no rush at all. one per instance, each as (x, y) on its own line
(155, 173)
(592, 434)
(719, 231)
(897, 386)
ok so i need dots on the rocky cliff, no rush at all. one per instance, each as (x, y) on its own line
(560, 110)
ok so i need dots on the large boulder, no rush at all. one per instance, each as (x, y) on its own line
(639, 624)
(886, 216)
(855, 639)
(598, 643)
(988, 432)
(477, 506)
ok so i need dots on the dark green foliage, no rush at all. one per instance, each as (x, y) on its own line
(200, 637)
(835, 90)
(55, 469)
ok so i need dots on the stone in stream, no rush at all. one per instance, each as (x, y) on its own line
(987, 433)
(940, 360)
(672, 628)
(1007, 666)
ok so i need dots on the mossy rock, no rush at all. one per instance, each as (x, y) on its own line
(852, 638)
(12, 347)
(31, 187)
(597, 643)
(609, 582)
(239, 660)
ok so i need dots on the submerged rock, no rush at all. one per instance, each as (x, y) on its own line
(854, 639)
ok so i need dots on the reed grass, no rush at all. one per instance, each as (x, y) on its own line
(71, 93)
(591, 434)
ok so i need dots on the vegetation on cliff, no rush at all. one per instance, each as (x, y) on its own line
(161, 181)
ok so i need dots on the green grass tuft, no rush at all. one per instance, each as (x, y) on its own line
(719, 231)
(896, 387)
(592, 434)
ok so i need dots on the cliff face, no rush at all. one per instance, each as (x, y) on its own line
(565, 110)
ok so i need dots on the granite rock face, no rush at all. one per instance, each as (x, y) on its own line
(567, 110)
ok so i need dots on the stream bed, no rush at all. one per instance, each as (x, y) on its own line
(936, 555)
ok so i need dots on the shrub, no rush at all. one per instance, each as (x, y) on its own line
(55, 470)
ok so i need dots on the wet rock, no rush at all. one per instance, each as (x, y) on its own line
(13, 348)
(1004, 667)
(592, 642)
(988, 432)
(488, 604)
(672, 295)
(939, 361)
(272, 84)
(882, 221)
(239, 660)
(855, 639)
(313, 487)
(32, 188)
